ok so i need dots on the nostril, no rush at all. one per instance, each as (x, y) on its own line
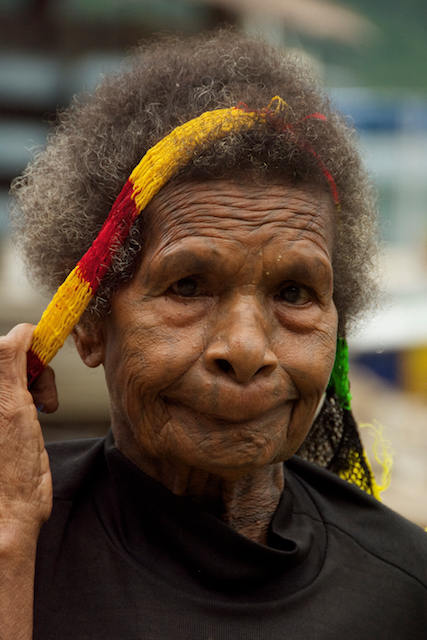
(265, 370)
(224, 365)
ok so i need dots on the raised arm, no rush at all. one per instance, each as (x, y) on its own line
(25, 481)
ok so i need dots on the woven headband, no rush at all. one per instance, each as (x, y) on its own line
(156, 168)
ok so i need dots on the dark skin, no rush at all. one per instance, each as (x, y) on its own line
(218, 352)
(216, 355)
(25, 481)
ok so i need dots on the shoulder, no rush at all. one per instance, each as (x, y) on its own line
(374, 527)
(73, 463)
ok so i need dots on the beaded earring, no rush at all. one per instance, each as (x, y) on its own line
(339, 376)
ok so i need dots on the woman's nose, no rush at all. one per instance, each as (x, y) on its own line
(240, 347)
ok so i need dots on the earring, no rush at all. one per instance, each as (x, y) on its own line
(339, 376)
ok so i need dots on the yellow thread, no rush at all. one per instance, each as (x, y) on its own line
(61, 315)
(376, 490)
(383, 453)
(355, 473)
(281, 104)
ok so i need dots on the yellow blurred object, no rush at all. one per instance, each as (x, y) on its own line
(413, 370)
(383, 455)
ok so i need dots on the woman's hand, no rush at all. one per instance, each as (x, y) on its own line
(25, 480)
(25, 483)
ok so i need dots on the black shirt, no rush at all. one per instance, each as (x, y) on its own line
(123, 558)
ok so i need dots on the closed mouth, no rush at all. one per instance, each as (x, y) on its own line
(237, 414)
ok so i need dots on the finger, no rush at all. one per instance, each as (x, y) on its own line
(13, 352)
(25, 482)
(21, 335)
(44, 392)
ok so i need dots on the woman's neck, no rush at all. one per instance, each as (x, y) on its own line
(246, 503)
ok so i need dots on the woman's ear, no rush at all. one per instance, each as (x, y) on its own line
(90, 344)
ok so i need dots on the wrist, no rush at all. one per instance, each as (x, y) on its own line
(18, 540)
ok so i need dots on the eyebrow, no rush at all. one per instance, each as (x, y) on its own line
(196, 260)
(304, 267)
(184, 262)
(309, 270)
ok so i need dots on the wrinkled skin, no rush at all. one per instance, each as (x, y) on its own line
(25, 480)
(218, 351)
(216, 356)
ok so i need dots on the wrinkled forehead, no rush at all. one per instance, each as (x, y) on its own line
(242, 207)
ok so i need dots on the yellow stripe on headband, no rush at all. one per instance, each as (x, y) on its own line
(163, 160)
(154, 170)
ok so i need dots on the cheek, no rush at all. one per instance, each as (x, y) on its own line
(146, 359)
(315, 358)
(309, 356)
(308, 360)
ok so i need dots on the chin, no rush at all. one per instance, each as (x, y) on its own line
(238, 458)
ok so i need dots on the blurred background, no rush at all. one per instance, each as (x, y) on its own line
(373, 58)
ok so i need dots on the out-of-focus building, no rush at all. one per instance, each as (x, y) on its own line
(52, 49)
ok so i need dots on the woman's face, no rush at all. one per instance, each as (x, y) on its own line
(218, 351)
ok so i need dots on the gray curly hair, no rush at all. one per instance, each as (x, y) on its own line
(65, 194)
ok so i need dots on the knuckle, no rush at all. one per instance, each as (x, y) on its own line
(8, 349)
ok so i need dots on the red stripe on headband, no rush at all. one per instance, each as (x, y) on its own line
(303, 145)
(326, 173)
(318, 116)
(34, 367)
(97, 259)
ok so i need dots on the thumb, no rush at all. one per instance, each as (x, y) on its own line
(44, 392)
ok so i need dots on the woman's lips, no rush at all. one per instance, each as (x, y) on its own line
(232, 402)
(232, 417)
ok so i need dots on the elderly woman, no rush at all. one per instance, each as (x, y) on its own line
(223, 230)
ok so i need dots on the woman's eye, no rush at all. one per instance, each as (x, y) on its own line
(186, 287)
(294, 294)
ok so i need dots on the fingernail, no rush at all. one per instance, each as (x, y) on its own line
(40, 408)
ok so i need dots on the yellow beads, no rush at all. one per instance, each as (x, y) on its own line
(61, 315)
(163, 160)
